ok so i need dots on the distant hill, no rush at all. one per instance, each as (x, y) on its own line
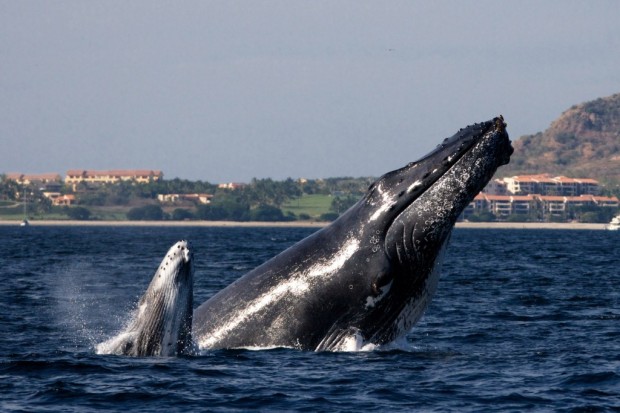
(583, 142)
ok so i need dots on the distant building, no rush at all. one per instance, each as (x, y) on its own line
(544, 184)
(232, 185)
(559, 205)
(60, 200)
(173, 198)
(141, 176)
(496, 187)
(37, 179)
(503, 206)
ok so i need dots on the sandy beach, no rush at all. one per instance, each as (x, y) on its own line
(256, 224)
(298, 224)
(531, 225)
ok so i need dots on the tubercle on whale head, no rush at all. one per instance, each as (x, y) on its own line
(177, 264)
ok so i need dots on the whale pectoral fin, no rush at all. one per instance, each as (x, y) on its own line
(348, 339)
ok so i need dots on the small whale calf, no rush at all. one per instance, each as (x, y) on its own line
(162, 323)
(363, 280)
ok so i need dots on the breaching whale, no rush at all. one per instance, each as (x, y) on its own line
(367, 277)
(161, 325)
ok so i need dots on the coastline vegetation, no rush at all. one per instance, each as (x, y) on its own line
(261, 200)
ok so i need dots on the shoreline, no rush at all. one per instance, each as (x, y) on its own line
(216, 224)
(531, 225)
(293, 224)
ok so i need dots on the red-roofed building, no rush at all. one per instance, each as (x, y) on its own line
(606, 201)
(141, 176)
(544, 184)
(504, 205)
(27, 179)
(58, 199)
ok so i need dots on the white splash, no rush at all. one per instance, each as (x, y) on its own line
(352, 343)
(112, 345)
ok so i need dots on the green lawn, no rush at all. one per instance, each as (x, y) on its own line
(11, 210)
(16, 213)
(313, 205)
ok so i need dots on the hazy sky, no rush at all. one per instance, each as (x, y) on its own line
(227, 91)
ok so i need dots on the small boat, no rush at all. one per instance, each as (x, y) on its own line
(614, 224)
(25, 222)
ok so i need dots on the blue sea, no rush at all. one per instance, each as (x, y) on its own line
(522, 320)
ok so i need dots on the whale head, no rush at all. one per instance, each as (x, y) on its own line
(405, 221)
(162, 322)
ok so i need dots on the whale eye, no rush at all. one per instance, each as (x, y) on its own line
(381, 280)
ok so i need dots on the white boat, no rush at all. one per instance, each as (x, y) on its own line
(614, 224)
(25, 222)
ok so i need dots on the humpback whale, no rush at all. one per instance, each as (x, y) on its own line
(366, 278)
(161, 324)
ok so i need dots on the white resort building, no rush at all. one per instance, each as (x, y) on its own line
(141, 176)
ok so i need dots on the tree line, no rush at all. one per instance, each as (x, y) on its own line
(259, 200)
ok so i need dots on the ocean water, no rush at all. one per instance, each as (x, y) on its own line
(522, 320)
